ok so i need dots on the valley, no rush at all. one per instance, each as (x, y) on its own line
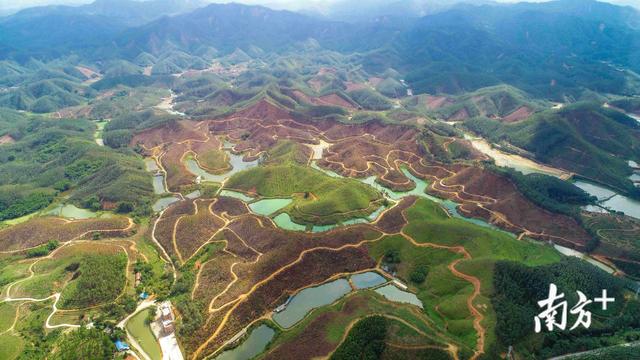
(225, 181)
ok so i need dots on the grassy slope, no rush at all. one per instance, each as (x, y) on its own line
(429, 224)
(335, 197)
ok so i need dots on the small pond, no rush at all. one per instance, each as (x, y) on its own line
(254, 344)
(237, 195)
(164, 203)
(236, 162)
(391, 292)
(158, 184)
(310, 298)
(267, 207)
(367, 280)
(284, 221)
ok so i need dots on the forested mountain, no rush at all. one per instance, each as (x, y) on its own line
(384, 180)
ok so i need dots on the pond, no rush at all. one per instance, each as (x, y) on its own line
(72, 212)
(151, 165)
(391, 292)
(141, 332)
(310, 298)
(255, 344)
(367, 280)
(284, 221)
(158, 184)
(267, 207)
(610, 199)
(164, 203)
(194, 195)
(235, 160)
(237, 195)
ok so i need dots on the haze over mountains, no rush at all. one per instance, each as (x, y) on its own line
(558, 48)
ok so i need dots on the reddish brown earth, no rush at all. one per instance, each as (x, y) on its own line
(461, 114)
(378, 149)
(375, 81)
(6, 139)
(171, 143)
(436, 102)
(494, 198)
(39, 230)
(351, 86)
(263, 264)
(521, 113)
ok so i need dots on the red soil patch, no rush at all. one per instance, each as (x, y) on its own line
(351, 86)
(6, 139)
(39, 230)
(375, 81)
(230, 206)
(461, 114)
(192, 231)
(335, 100)
(521, 113)
(480, 190)
(88, 73)
(436, 102)
(213, 277)
(392, 221)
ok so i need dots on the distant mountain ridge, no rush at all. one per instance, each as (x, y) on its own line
(554, 49)
(128, 12)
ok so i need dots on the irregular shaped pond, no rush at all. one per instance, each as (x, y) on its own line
(367, 280)
(284, 221)
(610, 199)
(151, 165)
(158, 184)
(236, 162)
(255, 344)
(237, 195)
(392, 293)
(267, 207)
(164, 203)
(308, 299)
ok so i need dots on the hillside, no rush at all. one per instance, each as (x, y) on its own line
(585, 138)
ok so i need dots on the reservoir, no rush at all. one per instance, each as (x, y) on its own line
(610, 199)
